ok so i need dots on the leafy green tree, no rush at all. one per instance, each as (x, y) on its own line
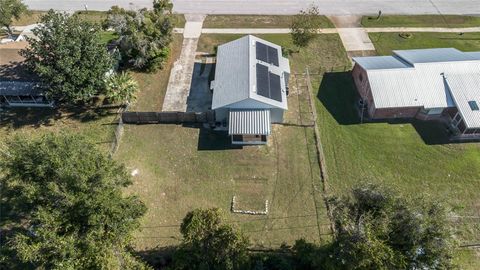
(68, 57)
(68, 206)
(210, 244)
(145, 35)
(377, 229)
(121, 88)
(9, 10)
(305, 25)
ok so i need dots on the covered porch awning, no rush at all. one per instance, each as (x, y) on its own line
(249, 122)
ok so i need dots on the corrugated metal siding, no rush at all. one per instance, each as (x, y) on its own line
(249, 122)
(465, 88)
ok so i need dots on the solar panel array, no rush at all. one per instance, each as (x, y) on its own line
(266, 53)
(268, 84)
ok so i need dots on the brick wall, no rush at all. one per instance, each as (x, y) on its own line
(406, 112)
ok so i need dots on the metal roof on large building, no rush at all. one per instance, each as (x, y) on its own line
(237, 78)
(415, 78)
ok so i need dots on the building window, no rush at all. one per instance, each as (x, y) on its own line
(473, 105)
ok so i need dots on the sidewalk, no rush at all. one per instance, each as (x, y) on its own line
(354, 37)
(333, 30)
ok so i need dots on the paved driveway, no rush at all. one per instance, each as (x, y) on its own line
(181, 74)
(328, 7)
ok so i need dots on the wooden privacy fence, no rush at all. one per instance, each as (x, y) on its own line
(167, 117)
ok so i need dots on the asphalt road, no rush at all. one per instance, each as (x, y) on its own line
(327, 7)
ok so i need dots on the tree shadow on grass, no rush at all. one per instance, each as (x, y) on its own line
(338, 94)
(37, 117)
(157, 258)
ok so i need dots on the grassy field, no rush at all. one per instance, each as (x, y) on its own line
(93, 16)
(421, 21)
(409, 156)
(386, 42)
(181, 168)
(255, 21)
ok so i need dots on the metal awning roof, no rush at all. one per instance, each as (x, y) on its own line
(249, 122)
(14, 88)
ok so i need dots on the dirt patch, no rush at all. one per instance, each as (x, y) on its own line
(12, 65)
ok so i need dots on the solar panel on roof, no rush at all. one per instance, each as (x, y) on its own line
(272, 56)
(263, 87)
(268, 84)
(261, 50)
(275, 88)
(266, 53)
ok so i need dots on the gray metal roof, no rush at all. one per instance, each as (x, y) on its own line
(15, 88)
(432, 55)
(473, 55)
(466, 88)
(249, 122)
(235, 74)
(422, 84)
(381, 62)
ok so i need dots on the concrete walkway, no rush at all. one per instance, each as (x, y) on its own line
(354, 37)
(180, 79)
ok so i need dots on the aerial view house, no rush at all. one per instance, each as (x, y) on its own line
(441, 84)
(19, 87)
(250, 88)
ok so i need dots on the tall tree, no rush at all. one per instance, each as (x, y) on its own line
(378, 229)
(145, 35)
(10, 10)
(210, 244)
(69, 210)
(305, 25)
(68, 57)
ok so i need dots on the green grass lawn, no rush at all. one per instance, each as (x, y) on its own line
(32, 17)
(255, 21)
(386, 42)
(96, 124)
(93, 16)
(421, 21)
(182, 168)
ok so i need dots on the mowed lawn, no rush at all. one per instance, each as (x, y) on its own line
(411, 157)
(255, 21)
(421, 21)
(180, 168)
(386, 42)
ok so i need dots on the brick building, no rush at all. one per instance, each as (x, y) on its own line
(442, 84)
